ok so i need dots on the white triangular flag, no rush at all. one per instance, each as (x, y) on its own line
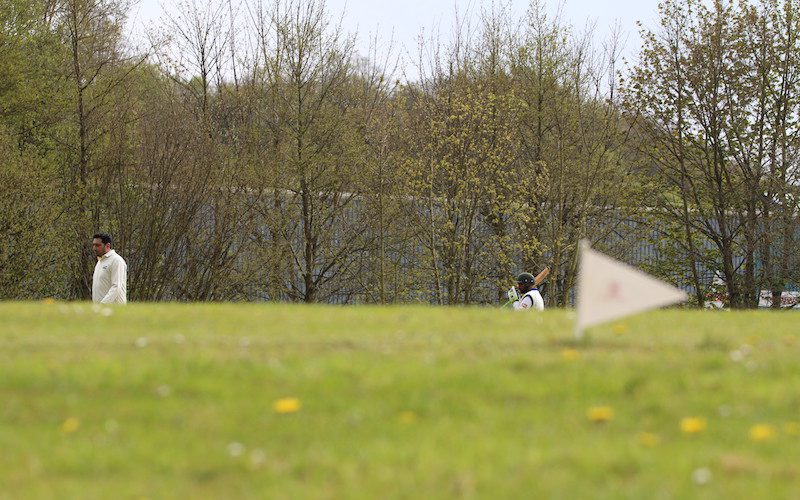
(609, 289)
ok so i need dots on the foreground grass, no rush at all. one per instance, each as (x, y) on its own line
(179, 401)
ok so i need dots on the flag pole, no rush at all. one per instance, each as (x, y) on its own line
(578, 332)
(583, 245)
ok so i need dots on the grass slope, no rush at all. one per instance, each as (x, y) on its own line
(179, 401)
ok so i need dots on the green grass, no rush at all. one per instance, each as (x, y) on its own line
(176, 401)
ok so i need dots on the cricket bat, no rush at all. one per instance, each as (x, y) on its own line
(541, 276)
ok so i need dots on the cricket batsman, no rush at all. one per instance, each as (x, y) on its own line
(525, 295)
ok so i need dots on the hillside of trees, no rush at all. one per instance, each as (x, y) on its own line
(249, 152)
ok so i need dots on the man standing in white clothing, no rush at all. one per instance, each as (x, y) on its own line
(109, 284)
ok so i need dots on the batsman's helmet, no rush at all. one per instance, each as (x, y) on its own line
(525, 278)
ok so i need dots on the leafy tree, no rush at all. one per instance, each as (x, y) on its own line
(31, 244)
(573, 134)
(711, 91)
(465, 173)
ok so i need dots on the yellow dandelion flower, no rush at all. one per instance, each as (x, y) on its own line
(286, 405)
(792, 428)
(570, 354)
(762, 432)
(600, 414)
(693, 425)
(648, 439)
(70, 425)
(407, 417)
(48, 301)
(620, 328)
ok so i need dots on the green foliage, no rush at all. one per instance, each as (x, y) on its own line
(712, 91)
(472, 190)
(31, 242)
(29, 87)
(576, 142)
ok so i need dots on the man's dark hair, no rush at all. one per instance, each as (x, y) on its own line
(104, 237)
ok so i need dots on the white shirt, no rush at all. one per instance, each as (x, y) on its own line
(532, 299)
(110, 279)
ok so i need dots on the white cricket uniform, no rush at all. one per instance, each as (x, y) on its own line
(109, 284)
(532, 299)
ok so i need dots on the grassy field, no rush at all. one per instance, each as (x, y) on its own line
(276, 401)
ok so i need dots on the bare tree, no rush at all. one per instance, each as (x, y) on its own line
(96, 66)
